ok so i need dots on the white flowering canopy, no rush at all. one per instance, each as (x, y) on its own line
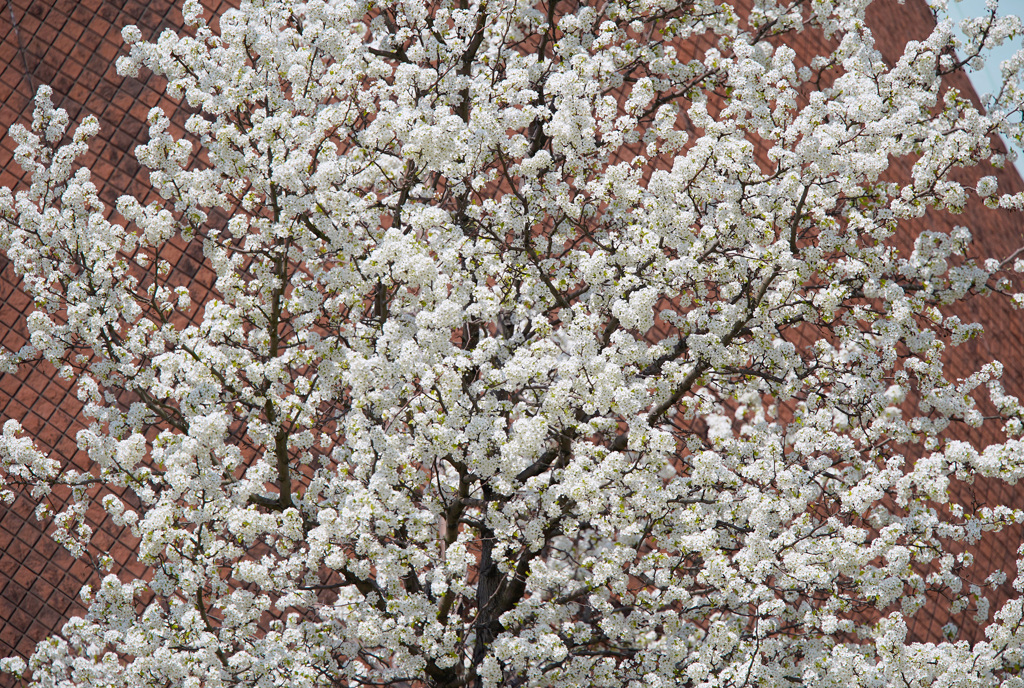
(540, 352)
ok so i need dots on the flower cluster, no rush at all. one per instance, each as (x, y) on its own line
(539, 353)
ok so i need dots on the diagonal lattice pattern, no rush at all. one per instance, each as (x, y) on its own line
(70, 45)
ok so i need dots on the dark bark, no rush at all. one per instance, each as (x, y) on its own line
(487, 625)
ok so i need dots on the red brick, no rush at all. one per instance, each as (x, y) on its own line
(31, 605)
(35, 562)
(24, 646)
(109, 12)
(20, 620)
(13, 593)
(17, 300)
(10, 523)
(29, 534)
(133, 10)
(51, 614)
(9, 635)
(110, 49)
(28, 24)
(53, 573)
(43, 408)
(32, 423)
(47, 34)
(8, 52)
(66, 448)
(102, 540)
(12, 76)
(37, 379)
(71, 589)
(56, 392)
(41, 589)
(81, 14)
(37, 631)
(71, 32)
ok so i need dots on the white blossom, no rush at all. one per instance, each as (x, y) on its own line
(545, 348)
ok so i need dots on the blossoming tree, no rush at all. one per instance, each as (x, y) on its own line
(541, 354)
